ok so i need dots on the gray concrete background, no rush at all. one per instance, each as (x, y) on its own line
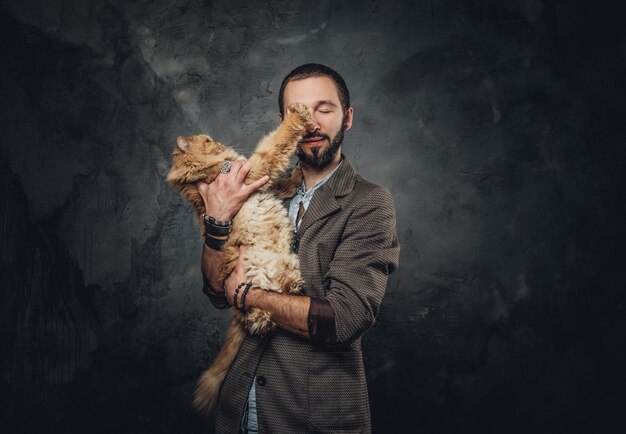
(496, 125)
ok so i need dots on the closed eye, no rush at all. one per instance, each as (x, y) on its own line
(326, 106)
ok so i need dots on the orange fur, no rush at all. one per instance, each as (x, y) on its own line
(262, 225)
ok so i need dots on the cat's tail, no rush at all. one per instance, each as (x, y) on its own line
(208, 387)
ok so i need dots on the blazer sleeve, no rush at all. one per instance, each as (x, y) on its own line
(369, 251)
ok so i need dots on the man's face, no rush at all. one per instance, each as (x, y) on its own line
(320, 146)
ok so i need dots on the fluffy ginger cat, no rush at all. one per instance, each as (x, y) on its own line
(262, 225)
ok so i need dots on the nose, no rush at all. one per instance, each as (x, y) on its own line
(315, 126)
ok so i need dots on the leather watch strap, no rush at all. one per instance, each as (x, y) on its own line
(214, 243)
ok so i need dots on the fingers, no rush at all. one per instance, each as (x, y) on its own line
(238, 270)
(243, 172)
(237, 276)
(235, 167)
(258, 184)
(242, 252)
(203, 190)
(223, 179)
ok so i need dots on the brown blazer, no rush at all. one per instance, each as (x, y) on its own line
(348, 246)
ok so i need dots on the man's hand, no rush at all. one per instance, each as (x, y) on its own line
(224, 197)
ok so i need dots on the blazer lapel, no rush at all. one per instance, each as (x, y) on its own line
(324, 203)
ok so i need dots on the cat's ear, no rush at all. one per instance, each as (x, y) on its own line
(182, 143)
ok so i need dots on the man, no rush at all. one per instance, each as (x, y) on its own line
(308, 375)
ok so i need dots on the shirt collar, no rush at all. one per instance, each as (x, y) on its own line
(308, 194)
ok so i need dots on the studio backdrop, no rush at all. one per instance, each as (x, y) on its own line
(497, 126)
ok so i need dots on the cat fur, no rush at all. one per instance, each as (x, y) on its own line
(262, 225)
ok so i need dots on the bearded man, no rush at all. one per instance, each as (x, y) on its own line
(308, 375)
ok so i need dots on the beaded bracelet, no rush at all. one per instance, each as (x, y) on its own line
(243, 296)
(236, 293)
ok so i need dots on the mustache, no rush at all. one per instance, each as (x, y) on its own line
(315, 136)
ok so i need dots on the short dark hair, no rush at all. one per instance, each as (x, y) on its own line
(315, 70)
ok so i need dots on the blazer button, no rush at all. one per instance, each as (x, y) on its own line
(260, 380)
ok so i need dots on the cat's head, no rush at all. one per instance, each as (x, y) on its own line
(199, 146)
(194, 155)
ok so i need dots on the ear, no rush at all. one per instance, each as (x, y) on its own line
(182, 143)
(348, 121)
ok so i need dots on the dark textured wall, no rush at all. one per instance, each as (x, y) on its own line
(498, 127)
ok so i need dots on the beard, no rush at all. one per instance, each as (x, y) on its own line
(320, 158)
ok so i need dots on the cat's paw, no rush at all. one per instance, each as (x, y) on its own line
(297, 107)
(300, 115)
